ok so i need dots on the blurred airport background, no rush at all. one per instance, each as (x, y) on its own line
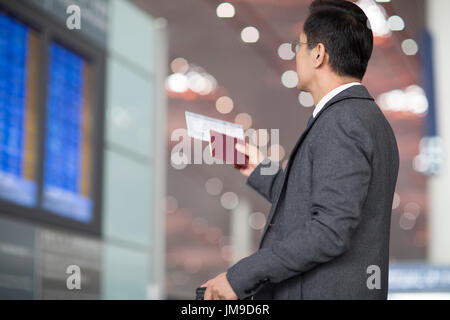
(90, 174)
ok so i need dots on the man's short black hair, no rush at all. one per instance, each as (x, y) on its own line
(344, 30)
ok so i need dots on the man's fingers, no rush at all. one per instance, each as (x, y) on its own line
(214, 294)
(241, 148)
(246, 149)
(207, 295)
(249, 150)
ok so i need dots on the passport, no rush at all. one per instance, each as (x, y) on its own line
(223, 147)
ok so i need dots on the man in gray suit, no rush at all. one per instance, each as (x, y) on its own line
(327, 233)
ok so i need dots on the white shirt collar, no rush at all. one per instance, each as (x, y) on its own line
(331, 94)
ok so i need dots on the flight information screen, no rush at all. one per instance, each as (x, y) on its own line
(19, 56)
(68, 137)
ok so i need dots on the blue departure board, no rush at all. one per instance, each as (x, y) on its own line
(67, 160)
(19, 52)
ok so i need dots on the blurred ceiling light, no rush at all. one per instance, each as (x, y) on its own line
(410, 47)
(225, 10)
(396, 23)
(417, 100)
(289, 79)
(214, 186)
(201, 82)
(394, 100)
(250, 35)
(377, 17)
(285, 52)
(229, 200)
(244, 119)
(196, 82)
(224, 105)
(211, 84)
(177, 82)
(306, 99)
(412, 99)
(179, 65)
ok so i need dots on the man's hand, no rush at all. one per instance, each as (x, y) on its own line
(255, 157)
(219, 289)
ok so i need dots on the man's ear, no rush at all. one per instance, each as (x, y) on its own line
(319, 55)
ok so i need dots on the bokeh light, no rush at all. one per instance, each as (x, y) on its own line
(177, 82)
(250, 34)
(225, 10)
(285, 52)
(407, 221)
(396, 23)
(289, 79)
(410, 47)
(229, 200)
(214, 186)
(244, 119)
(179, 65)
(224, 105)
(306, 99)
(257, 220)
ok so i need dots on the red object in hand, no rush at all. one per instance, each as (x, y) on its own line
(224, 147)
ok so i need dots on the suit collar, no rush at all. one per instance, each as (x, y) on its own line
(331, 94)
(354, 92)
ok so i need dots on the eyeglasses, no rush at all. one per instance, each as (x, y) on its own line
(295, 45)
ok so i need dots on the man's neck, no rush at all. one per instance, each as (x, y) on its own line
(319, 90)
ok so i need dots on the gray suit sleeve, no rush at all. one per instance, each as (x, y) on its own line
(341, 175)
(265, 185)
